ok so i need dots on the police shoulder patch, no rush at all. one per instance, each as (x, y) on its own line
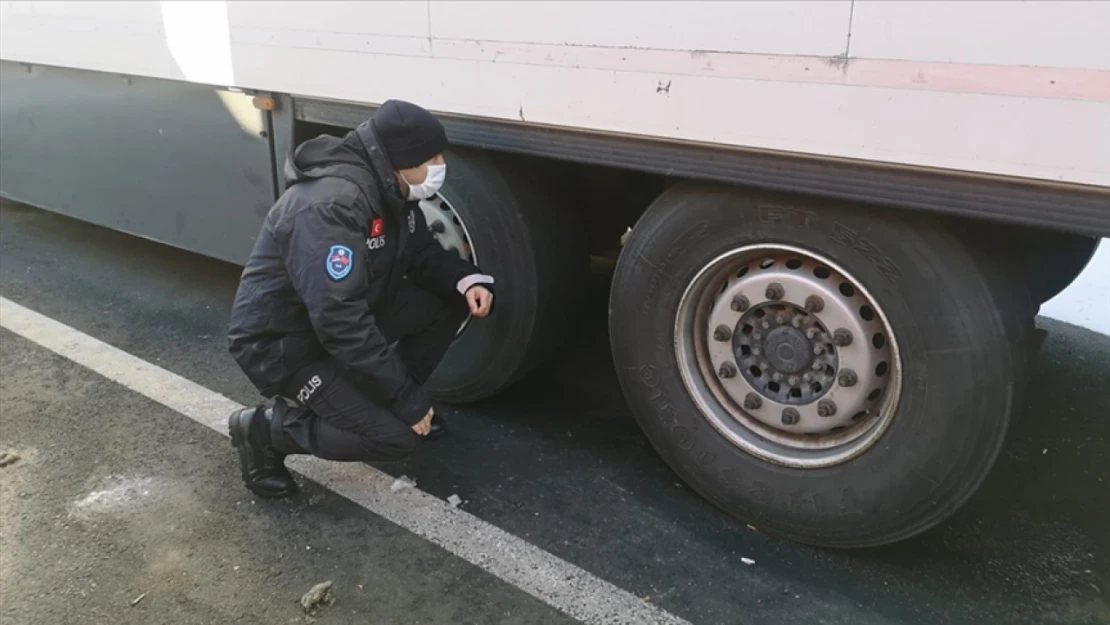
(340, 261)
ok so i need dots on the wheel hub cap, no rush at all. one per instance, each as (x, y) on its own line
(788, 350)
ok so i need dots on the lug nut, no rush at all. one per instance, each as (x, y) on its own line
(848, 378)
(740, 303)
(812, 333)
(782, 319)
(777, 377)
(766, 325)
(775, 291)
(817, 365)
(757, 351)
(807, 378)
(757, 335)
(722, 333)
(793, 380)
(753, 401)
(826, 408)
(842, 337)
(727, 370)
(790, 416)
(818, 349)
(796, 321)
(814, 304)
(437, 227)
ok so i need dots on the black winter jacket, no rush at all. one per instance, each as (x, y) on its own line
(333, 248)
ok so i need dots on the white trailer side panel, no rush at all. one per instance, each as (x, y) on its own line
(1031, 34)
(1012, 88)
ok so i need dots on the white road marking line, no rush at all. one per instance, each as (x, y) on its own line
(546, 577)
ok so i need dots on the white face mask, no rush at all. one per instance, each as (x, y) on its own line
(437, 174)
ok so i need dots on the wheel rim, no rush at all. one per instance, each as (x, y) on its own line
(449, 229)
(788, 356)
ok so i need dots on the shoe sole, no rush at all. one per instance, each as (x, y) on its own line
(239, 428)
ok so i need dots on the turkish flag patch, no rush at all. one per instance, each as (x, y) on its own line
(377, 227)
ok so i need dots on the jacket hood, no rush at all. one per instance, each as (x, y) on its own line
(356, 157)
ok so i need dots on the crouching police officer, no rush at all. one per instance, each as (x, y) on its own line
(347, 303)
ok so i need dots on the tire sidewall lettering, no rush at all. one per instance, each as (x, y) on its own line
(841, 233)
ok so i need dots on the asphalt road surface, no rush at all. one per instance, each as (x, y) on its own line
(115, 497)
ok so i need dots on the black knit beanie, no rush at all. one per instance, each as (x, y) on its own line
(410, 135)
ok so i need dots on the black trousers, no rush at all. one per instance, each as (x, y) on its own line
(346, 418)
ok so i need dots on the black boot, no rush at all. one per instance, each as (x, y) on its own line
(264, 471)
(439, 428)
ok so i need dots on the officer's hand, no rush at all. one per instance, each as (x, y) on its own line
(425, 424)
(480, 300)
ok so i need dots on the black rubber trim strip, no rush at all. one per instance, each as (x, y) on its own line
(1067, 207)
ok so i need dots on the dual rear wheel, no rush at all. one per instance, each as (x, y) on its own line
(834, 376)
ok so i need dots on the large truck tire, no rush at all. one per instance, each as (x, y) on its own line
(493, 213)
(835, 376)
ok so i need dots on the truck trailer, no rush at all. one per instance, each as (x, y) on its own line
(834, 222)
